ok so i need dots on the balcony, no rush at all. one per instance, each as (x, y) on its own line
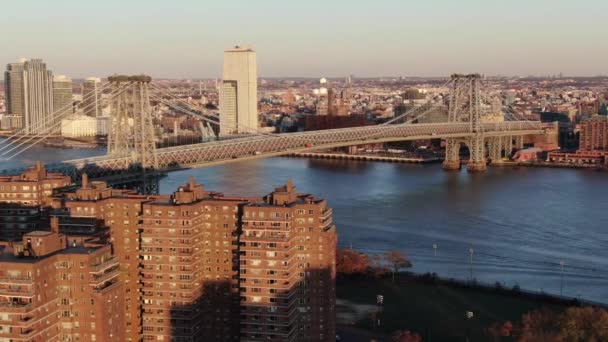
(17, 292)
(21, 280)
(106, 287)
(104, 277)
(27, 333)
(104, 265)
(25, 319)
(328, 212)
(13, 306)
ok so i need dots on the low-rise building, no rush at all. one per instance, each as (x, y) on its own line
(79, 125)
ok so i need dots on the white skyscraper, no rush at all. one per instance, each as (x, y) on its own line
(239, 92)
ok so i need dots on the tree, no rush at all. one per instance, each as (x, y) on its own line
(397, 260)
(540, 325)
(350, 262)
(405, 336)
(584, 324)
(500, 330)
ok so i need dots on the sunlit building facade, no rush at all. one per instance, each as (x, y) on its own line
(191, 266)
(238, 92)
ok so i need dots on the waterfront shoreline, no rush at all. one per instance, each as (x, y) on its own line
(421, 160)
(399, 190)
(361, 157)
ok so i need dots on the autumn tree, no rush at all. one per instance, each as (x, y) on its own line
(350, 262)
(397, 260)
(501, 330)
(584, 324)
(405, 336)
(540, 325)
(576, 324)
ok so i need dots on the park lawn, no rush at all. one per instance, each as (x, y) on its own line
(436, 312)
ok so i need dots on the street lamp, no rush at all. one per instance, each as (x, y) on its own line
(562, 264)
(471, 252)
(469, 315)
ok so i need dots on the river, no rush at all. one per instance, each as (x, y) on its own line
(519, 222)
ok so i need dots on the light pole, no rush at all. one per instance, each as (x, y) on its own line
(435, 246)
(562, 264)
(471, 252)
(470, 316)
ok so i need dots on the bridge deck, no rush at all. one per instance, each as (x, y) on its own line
(254, 147)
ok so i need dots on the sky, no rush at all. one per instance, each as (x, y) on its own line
(309, 38)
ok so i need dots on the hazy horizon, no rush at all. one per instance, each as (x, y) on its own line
(185, 39)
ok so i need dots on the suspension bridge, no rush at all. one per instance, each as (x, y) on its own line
(133, 157)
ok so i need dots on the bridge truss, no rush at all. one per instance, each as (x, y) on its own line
(132, 150)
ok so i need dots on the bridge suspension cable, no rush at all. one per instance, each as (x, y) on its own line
(205, 116)
(424, 110)
(509, 112)
(183, 110)
(194, 114)
(167, 91)
(415, 109)
(19, 135)
(44, 134)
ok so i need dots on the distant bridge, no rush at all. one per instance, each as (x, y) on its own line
(133, 156)
(255, 147)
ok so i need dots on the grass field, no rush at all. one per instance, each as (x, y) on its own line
(436, 312)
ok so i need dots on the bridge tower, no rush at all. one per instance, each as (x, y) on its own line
(465, 106)
(131, 131)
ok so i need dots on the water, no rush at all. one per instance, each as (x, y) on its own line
(520, 222)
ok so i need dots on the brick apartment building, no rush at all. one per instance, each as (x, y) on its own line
(287, 268)
(190, 249)
(594, 134)
(51, 291)
(191, 266)
(593, 144)
(22, 199)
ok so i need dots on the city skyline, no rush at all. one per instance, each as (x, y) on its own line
(184, 40)
(450, 158)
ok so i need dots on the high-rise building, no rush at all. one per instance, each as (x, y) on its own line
(113, 216)
(13, 88)
(287, 268)
(191, 266)
(63, 103)
(54, 291)
(190, 251)
(91, 97)
(29, 87)
(238, 92)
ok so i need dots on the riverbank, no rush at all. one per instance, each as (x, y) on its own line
(433, 308)
(369, 157)
(429, 160)
(56, 141)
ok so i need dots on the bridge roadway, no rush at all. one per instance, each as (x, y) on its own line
(263, 146)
